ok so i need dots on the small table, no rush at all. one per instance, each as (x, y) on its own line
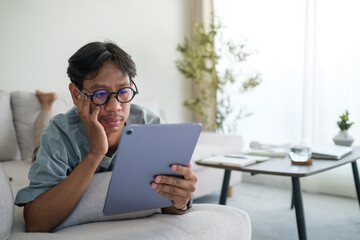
(283, 167)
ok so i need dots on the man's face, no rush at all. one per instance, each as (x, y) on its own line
(113, 114)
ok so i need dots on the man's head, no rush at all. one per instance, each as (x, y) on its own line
(103, 66)
(86, 62)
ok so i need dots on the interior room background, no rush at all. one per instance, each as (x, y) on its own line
(308, 54)
(39, 36)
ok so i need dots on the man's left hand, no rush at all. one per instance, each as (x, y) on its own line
(176, 189)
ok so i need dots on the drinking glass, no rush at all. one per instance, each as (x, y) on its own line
(300, 151)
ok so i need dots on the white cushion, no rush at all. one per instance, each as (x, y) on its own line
(90, 207)
(151, 104)
(6, 206)
(212, 144)
(18, 171)
(204, 221)
(26, 107)
(9, 149)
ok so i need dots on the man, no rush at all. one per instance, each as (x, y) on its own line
(83, 141)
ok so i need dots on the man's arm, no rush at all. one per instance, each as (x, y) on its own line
(52, 207)
(176, 189)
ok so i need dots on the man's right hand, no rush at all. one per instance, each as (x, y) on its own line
(94, 129)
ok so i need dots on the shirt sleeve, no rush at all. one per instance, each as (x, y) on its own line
(50, 168)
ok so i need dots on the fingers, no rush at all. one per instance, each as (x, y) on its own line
(171, 190)
(187, 183)
(185, 171)
(176, 189)
(179, 196)
(95, 114)
(83, 105)
(86, 106)
(166, 182)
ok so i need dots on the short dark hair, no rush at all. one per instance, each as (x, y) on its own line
(87, 61)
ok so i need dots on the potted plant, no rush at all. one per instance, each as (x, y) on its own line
(200, 59)
(343, 137)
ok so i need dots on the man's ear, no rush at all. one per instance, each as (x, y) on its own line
(74, 93)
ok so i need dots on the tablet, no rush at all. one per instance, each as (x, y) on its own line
(144, 152)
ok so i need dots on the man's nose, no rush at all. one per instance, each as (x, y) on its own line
(113, 104)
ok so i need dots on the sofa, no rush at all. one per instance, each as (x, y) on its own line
(203, 221)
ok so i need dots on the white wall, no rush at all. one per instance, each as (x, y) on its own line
(39, 36)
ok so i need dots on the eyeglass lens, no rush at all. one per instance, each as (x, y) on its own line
(103, 96)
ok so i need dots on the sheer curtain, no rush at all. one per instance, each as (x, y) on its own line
(276, 36)
(308, 53)
(336, 67)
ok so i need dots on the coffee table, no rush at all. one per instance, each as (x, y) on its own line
(284, 167)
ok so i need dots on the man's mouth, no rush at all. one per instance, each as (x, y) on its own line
(113, 121)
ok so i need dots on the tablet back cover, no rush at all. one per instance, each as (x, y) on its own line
(144, 152)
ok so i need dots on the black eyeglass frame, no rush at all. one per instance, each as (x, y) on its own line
(136, 91)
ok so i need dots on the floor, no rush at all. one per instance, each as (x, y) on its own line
(327, 217)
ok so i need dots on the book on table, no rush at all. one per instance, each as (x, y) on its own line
(319, 151)
(330, 152)
(234, 160)
(271, 152)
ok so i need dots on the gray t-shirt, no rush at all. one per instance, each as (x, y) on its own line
(63, 145)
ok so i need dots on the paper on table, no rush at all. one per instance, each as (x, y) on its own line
(235, 160)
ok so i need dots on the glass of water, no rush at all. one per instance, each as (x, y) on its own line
(300, 151)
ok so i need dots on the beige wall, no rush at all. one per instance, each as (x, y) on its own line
(38, 37)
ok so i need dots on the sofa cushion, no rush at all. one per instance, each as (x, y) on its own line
(9, 149)
(204, 221)
(151, 104)
(90, 208)
(26, 107)
(18, 171)
(6, 206)
(211, 144)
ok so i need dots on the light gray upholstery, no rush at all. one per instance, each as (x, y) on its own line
(9, 149)
(204, 221)
(6, 206)
(25, 108)
(90, 207)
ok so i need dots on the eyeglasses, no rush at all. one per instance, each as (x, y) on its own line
(102, 96)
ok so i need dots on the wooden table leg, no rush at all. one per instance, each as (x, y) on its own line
(356, 179)
(299, 209)
(225, 187)
(230, 191)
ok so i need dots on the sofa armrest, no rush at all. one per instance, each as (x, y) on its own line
(212, 144)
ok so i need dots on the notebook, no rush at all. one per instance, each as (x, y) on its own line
(234, 160)
(330, 152)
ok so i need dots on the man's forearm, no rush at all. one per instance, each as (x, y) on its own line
(51, 208)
